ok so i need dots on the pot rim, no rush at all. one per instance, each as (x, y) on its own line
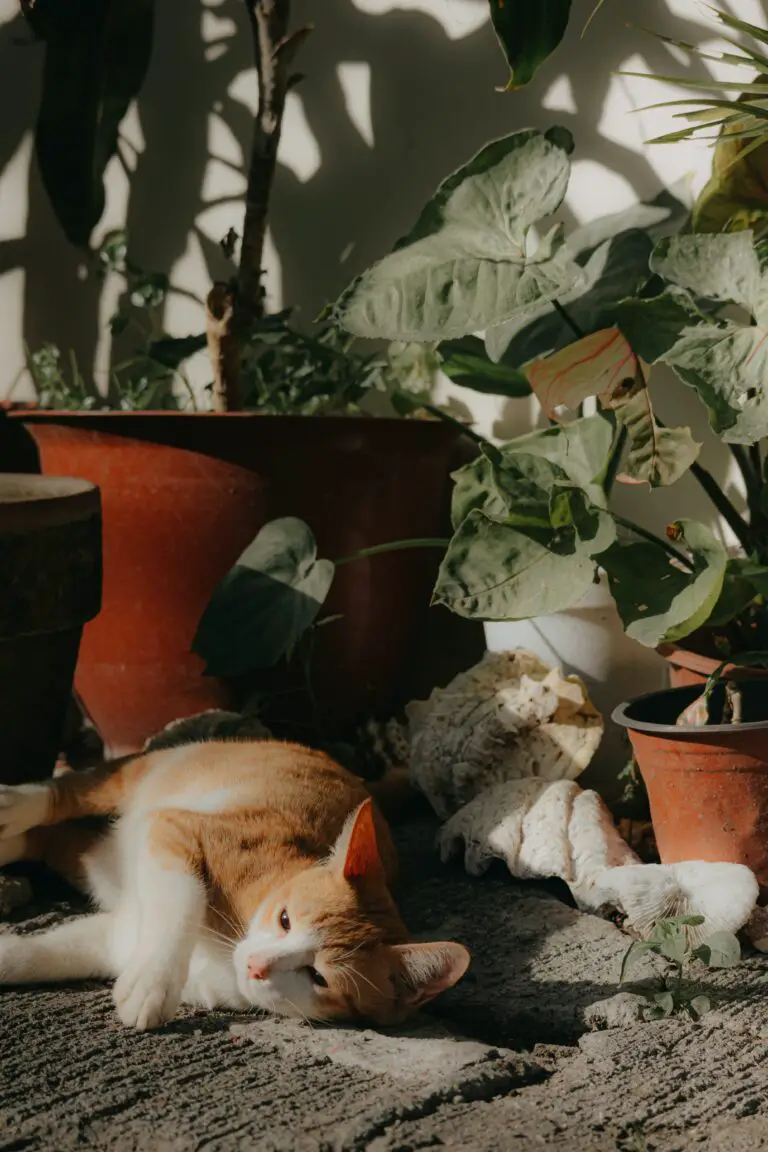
(33, 414)
(619, 716)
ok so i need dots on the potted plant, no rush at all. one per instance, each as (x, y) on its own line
(184, 491)
(706, 775)
(50, 585)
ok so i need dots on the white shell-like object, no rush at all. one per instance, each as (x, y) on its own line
(540, 829)
(510, 717)
(724, 894)
(545, 829)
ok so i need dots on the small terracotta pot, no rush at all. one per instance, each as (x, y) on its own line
(707, 787)
(693, 666)
(50, 585)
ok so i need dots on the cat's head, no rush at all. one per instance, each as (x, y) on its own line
(329, 944)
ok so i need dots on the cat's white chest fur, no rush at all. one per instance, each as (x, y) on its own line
(113, 871)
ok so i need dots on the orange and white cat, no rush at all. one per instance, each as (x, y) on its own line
(235, 875)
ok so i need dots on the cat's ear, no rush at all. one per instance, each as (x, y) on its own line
(429, 969)
(356, 850)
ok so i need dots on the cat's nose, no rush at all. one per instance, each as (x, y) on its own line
(257, 968)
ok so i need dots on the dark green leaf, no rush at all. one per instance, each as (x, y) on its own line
(96, 57)
(528, 31)
(118, 323)
(266, 602)
(467, 363)
(657, 600)
(171, 351)
(738, 592)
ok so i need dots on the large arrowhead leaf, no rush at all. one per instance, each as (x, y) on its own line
(465, 266)
(266, 602)
(492, 571)
(528, 31)
(659, 601)
(96, 58)
(614, 253)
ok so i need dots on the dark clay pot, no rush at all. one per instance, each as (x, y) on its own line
(707, 787)
(184, 494)
(50, 585)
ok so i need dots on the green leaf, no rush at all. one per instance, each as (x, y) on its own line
(657, 601)
(528, 31)
(266, 602)
(96, 58)
(614, 253)
(465, 264)
(725, 362)
(738, 591)
(720, 950)
(579, 452)
(665, 1004)
(492, 571)
(581, 448)
(635, 952)
(674, 948)
(171, 351)
(700, 1005)
(656, 456)
(723, 267)
(466, 362)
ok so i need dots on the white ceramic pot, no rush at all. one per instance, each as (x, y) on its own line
(589, 640)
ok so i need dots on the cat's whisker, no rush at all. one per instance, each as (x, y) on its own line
(303, 1015)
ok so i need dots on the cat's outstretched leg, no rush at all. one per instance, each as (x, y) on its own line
(166, 900)
(76, 950)
(100, 791)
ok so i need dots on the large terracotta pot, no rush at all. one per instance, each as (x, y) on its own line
(707, 787)
(50, 585)
(183, 494)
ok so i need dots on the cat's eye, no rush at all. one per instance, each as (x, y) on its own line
(285, 922)
(317, 978)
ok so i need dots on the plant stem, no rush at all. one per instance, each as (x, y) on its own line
(652, 539)
(614, 460)
(735, 521)
(448, 419)
(394, 546)
(567, 319)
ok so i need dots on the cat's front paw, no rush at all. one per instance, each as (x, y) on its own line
(23, 806)
(146, 996)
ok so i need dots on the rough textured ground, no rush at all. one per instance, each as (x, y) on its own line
(512, 1060)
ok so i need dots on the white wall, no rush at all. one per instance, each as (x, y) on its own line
(395, 96)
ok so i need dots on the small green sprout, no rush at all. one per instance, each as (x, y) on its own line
(671, 940)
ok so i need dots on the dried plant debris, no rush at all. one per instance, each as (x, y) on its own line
(508, 718)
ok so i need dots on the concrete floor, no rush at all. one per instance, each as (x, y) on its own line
(534, 1049)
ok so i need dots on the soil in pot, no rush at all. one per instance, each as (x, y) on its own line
(707, 787)
(50, 585)
(184, 494)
